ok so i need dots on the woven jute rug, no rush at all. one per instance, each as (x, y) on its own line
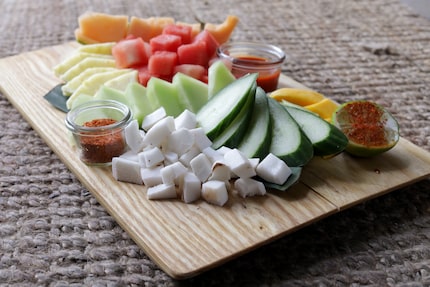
(54, 233)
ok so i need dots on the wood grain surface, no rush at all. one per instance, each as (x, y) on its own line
(185, 240)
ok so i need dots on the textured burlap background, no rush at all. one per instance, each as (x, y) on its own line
(53, 232)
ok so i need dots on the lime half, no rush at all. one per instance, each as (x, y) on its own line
(370, 129)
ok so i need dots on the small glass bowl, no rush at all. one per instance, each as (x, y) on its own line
(250, 57)
(98, 130)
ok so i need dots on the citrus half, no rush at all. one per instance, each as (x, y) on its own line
(370, 129)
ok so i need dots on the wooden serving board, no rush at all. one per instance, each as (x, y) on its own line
(187, 239)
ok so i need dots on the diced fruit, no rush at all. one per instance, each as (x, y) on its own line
(223, 31)
(223, 107)
(136, 95)
(89, 62)
(370, 129)
(183, 31)
(75, 59)
(161, 93)
(288, 141)
(301, 97)
(255, 142)
(99, 48)
(192, 93)
(327, 139)
(215, 192)
(219, 77)
(273, 169)
(194, 71)
(162, 63)
(324, 108)
(91, 85)
(209, 40)
(106, 93)
(71, 86)
(165, 42)
(193, 53)
(122, 81)
(114, 26)
(130, 52)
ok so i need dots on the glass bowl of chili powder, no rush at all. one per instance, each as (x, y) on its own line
(253, 57)
(98, 130)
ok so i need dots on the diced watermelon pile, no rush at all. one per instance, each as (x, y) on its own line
(175, 50)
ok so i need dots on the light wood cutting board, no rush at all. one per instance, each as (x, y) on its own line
(185, 240)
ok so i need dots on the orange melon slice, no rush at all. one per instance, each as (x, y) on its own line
(100, 27)
(223, 31)
(147, 28)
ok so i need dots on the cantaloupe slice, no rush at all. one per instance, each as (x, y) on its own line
(101, 27)
(147, 28)
(223, 31)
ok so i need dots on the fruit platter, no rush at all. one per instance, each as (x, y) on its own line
(184, 233)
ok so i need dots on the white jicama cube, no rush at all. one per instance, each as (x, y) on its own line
(201, 166)
(180, 141)
(189, 155)
(130, 155)
(249, 187)
(212, 154)
(215, 192)
(151, 176)
(186, 120)
(273, 169)
(126, 170)
(170, 174)
(159, 132)
(223, 150)
(133, 136)
(191, 187)
(239, 163)
(220, 171)
(162, 191)
(170, 157)
(153, 118)
(201, 140)
(151, 157)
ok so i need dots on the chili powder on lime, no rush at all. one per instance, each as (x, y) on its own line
(101, 146)
(367, 125)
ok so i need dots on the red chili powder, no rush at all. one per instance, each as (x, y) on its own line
(367, 124)
(101, 148)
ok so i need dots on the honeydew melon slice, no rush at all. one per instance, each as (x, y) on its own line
(74, 84)
(219, 76)
(107, 93)
(88, 62)
(91, 85)
(121, 82)
(192, 93)
(74, 59)
(137, 98)
(164, 94)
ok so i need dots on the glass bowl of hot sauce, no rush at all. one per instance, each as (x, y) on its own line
(252, 57)
(98, 129)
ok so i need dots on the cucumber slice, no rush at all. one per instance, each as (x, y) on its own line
(256, 140)
(223, 107)
(233, 134)
(326, 138)
(288, 141)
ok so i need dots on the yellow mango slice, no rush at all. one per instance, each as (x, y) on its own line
(301, 97)
(324, 108)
